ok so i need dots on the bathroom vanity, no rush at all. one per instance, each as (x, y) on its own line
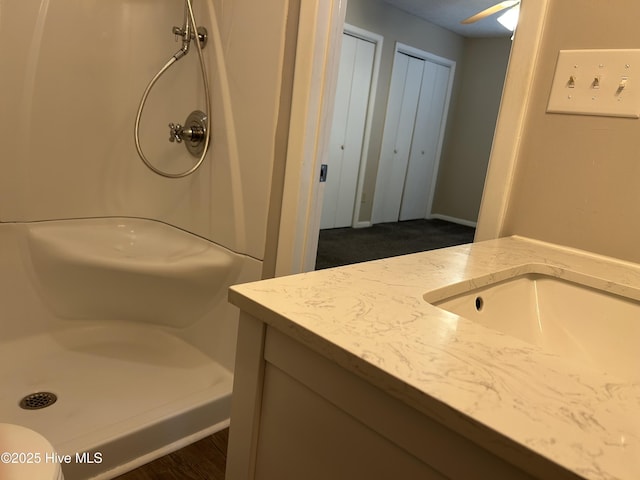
(420, 366)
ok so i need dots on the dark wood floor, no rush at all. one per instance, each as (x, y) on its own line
(203, 460)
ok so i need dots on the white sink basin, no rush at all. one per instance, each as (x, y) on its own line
(583, 323)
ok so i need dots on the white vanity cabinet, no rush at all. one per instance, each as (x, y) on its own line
(302, 416)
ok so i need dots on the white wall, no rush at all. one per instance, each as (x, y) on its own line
(73, 72)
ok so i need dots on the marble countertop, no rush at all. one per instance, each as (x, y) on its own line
(529, 406)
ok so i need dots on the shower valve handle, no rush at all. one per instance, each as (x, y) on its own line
(193, 133)
(178, 133)
(175, 132)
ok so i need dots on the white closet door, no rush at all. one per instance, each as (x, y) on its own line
(425, 146)
(404, 95)
(347, 131)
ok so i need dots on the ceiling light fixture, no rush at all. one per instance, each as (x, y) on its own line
(509, 19)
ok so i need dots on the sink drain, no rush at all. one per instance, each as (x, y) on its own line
(38, 400)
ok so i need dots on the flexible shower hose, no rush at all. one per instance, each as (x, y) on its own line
(143, 100)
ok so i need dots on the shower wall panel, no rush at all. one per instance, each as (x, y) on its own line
(72, 76)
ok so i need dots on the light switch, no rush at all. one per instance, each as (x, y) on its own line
(597, 82)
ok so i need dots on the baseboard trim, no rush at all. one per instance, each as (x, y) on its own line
(459, 221)
(362, 225)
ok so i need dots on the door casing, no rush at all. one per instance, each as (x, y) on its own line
(377, 41)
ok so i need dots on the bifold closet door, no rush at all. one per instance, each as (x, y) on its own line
(425, 144)
(402, 107)
(410, 143)
(347, 131)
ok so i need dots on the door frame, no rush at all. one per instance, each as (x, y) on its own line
(451, 65)
(377, 40)
(516, 97)
(312, 97)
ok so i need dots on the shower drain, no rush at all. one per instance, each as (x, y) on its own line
(38, 400)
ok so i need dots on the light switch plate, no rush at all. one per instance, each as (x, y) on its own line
(597, 82)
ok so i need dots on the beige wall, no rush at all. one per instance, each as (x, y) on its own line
(577, 180)
(395, 26)
(467, 146)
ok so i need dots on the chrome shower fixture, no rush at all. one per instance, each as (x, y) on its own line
(193, 133)
(187, 34)
(196, 133)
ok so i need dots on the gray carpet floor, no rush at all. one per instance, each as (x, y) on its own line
(343, 246)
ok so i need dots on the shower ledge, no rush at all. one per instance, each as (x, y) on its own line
(127, 269)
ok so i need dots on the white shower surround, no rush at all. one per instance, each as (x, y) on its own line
(69, 95)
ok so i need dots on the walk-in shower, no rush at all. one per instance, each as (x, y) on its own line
(196, 131)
